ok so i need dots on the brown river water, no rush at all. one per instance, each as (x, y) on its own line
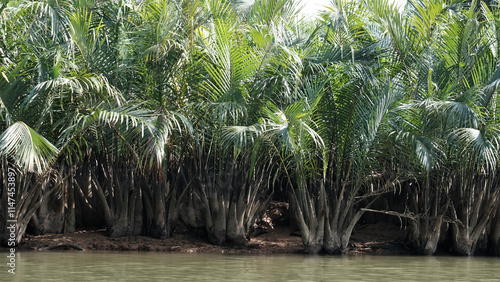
(143, 266)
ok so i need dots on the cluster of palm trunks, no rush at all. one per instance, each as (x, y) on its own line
(137, 115)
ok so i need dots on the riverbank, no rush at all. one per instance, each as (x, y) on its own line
(279, 238)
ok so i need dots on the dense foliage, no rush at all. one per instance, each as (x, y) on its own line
(135, 115)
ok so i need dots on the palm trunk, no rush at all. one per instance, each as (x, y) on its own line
(159, 227)
(309, 211)
(226, 204)
(428, 208)
(425, 234)
(473, 214)
(467, 236)
(69, 208)
(495, 234)
(123, 209)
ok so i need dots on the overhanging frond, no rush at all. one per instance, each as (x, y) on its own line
(29, 150)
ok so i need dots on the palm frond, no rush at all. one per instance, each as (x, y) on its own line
(29, 150)
(143, 132)
(479, 147)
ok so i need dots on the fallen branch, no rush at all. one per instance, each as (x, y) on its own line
(406, 215)
(413, 216)
(61, 246)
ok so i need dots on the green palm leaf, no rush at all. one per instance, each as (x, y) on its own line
(479, 147)
(29, 150)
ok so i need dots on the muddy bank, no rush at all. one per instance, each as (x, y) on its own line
(277, 237)
(373, 239)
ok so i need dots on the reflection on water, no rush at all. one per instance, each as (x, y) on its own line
(121, 266)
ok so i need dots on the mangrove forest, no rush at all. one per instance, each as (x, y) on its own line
(136, 115)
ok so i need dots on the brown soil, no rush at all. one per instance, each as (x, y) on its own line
(278, 238)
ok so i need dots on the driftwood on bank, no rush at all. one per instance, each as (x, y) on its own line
(62, 246)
